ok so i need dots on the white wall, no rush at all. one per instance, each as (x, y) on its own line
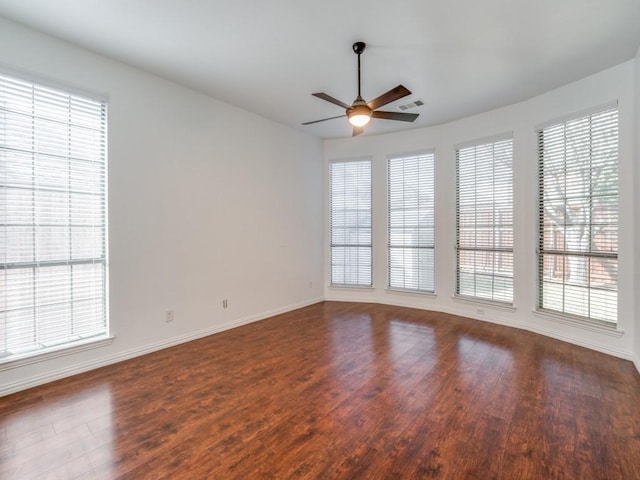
(521, 119)
(636, 202)
(206, 202)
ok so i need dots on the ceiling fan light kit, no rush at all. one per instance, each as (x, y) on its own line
(359, 113)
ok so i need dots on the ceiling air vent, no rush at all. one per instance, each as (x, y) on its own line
(409, 106)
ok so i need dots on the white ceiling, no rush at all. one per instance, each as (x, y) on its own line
(460, 56)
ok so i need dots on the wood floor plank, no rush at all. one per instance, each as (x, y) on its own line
(337, 391)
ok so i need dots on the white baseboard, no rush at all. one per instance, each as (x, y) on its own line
(36, 380)
(497, 319)
(58, 374)
(626, 355)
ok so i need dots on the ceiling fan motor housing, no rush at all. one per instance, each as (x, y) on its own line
(359, 107)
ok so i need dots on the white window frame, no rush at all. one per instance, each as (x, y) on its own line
(66, 131)
(492, 264)
(351, 223)
(586, 138)
(411, 222)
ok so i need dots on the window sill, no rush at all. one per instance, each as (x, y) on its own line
(333, 286)
(16, 361)
(508, 307)
(585, 324)
(400, 291)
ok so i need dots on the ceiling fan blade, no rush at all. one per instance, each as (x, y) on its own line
(323, 120)
(329, 98)
(357, 131)
(403, 117)
(391, 96)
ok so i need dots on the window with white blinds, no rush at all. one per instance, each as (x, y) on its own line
(578, 216)
(350, 222)
(411, 222)
(52, 218)
(484, 219)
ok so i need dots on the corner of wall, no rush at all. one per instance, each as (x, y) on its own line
(636, 201)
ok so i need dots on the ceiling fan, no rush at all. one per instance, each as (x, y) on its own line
(360, 112)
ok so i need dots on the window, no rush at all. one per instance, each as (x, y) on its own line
(350, 210)
(411, 223)
(484, 218)
(52, 218)
(578, 216)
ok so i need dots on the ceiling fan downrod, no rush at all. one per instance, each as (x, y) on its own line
(358, 48)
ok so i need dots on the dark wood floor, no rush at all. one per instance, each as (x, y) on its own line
(337, 391)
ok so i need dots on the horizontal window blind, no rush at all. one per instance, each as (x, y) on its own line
(52, 217)
(411, 222)
(578, 216)
(484, 220)
(350, 223)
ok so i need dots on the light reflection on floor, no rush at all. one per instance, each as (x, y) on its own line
(75, 436)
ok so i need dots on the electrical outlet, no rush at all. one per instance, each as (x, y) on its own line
(480, 311)
(168, 316)
(310, 284)
(225, 304)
